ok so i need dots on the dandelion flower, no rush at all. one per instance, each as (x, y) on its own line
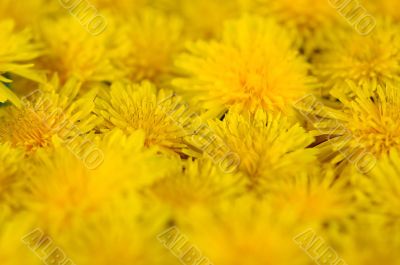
(253, 65)
(146, 44)
(160, 115)
(17, 51)
(359, 130)
(75, 52)
(218, 11)
(315, 198)
(51, 110)
(87, 178)
(200, 182)
(265, 145)
(365, 60)
(125, 232)
(244, 233)
(311, 19)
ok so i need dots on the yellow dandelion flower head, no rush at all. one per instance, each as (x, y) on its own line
(76, 51)
(264, 144)
(81, 179)
(316, 198)
(300, 13)
(160, 115)
(371, 59)
(51, 110)
(199, 182)
(244, 233)
(360, 129)
(136, 243)
(311, 19)
(253, 65)
(146, 44)
(17, 51)
(218, 11)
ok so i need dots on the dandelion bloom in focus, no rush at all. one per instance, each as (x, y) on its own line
(253, 65)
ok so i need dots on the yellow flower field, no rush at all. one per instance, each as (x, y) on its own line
(203, 132)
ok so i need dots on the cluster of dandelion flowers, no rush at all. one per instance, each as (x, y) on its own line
(242, 132)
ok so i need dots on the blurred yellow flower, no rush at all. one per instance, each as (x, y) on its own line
(311, 19)
(12, 250)
(365, 60)
(82, 192)
(17, 52)
(379, 193)
(245, 233)
(198, 182)
(27, 13)
(120, 7)
(145, 45)
(75, 52)
(11, 177)
(192, 12)
(319, 197)
(370, 245)
(135, 243)
(387, 8)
